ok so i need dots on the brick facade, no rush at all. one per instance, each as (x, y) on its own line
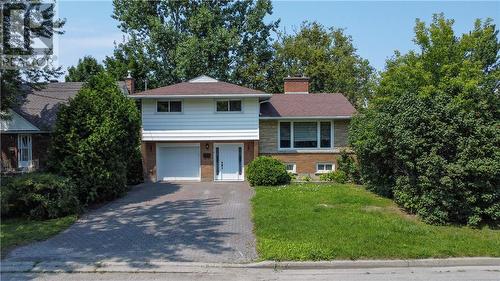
(296, 85)
(148, 149)
(306, 162)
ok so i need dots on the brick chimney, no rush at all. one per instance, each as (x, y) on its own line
(297, 85)
(130, 83)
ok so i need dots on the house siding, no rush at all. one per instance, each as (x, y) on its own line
(200, 121)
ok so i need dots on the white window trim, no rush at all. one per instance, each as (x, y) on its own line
(169, 112)
(228, 112)
(294, 170)
(30, 150)
(318, 137)
(324, 171)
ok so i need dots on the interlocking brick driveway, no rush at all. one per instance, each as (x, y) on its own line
(205, 222)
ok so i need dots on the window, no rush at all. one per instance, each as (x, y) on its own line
(291, 167)
(305, 134)
(326, 134)
(228, 105)
(168, 106)
(324, 167)
(302, 134)
(285, 135)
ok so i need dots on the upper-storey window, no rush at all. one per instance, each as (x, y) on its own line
(228, 105)
(168, 106)
(305, 134)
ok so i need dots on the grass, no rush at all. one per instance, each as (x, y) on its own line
(16, 232)
(332, 221)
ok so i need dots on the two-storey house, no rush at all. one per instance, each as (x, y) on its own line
(209, 130)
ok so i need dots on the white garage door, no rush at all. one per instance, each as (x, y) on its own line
(177, 162)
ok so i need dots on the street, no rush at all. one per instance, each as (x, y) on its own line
(465, 273)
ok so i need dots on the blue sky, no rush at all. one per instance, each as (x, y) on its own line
(377, 28)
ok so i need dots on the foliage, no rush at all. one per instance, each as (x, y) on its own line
(135, 170)
(13, 81)
(170, 41)
(431, 137)
(328, 57)
(348, 165)
(39, 196)
(95, 136)
(306, 178)
(265, 170)
(86, 68)
(20, 231)
(309, 221)
(334, 176)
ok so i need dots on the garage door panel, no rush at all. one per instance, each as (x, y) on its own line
(178, 163)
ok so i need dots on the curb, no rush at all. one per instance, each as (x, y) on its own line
(194, 267)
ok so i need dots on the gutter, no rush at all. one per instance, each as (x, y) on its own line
(338, 117)
(201, 96)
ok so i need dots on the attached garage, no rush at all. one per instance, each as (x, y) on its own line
(178, 162)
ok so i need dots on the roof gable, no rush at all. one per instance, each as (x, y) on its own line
(16, 123)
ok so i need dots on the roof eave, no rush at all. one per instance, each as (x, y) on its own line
(264, 95)
(338, 117)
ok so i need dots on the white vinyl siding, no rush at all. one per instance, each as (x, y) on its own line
(199, 120)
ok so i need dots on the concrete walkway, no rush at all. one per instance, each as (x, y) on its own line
(200, 222)
(428, 269)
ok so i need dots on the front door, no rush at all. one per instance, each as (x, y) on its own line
(228, 162)
(24, 151)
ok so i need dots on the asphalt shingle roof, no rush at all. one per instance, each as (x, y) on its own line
(307, 105)
(40, 106)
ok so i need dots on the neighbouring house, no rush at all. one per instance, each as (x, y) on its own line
(209, 130)
(25, 136)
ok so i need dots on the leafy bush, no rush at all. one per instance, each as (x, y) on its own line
(335, 176)
(95, 140)
(134, 170)
(267, 171)
(39, 196)
(431, 137)
(306, 178)
(349, 167)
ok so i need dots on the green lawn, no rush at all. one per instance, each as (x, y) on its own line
(323, 222)
(15, 232)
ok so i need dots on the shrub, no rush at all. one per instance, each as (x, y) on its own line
(431, 137)
(335, 176)
(134, 170)
(349, 166)
(306, 178)
(39, 196)
(267, 171)
(96, 139)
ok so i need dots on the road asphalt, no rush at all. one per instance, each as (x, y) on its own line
(458, 273)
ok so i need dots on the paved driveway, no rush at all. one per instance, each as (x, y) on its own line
(205, 222)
